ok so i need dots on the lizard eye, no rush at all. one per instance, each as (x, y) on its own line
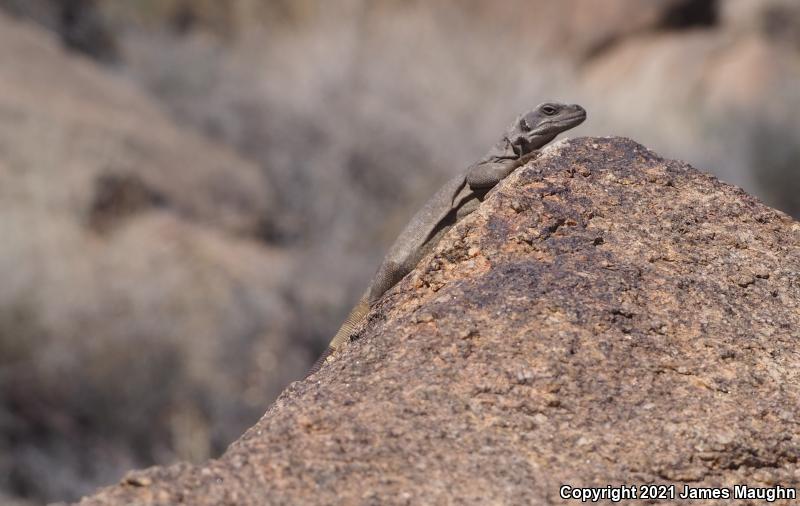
(549, 110)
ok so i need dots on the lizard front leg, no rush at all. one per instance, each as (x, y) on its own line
(484, 175)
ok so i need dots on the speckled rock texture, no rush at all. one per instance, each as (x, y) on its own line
(606, 317)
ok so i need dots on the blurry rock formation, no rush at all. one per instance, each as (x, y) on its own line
(141, 314)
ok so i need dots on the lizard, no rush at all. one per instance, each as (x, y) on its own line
(456, 199)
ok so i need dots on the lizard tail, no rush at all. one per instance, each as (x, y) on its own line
(343, 334)
(321, 360)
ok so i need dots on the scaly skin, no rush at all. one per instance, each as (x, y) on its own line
(459, 196)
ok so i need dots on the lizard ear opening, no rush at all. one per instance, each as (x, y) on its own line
(523, 125)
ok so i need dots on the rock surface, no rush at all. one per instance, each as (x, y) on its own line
(606, 317)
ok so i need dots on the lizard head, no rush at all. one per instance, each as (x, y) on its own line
(541, 125)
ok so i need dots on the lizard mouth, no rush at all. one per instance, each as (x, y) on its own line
(563, 123)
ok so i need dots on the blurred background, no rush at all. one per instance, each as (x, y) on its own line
(193, 193)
